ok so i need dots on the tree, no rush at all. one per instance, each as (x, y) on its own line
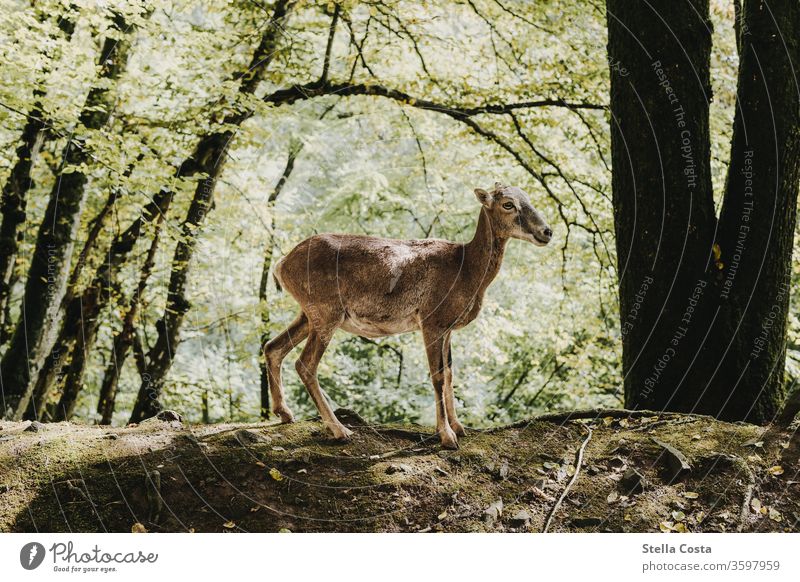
(15, 189)
(46, 280)
(703, 300)
(207, 161)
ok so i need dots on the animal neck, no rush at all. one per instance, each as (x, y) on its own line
(483, 255)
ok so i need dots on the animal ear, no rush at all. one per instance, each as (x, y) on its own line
(484, 197)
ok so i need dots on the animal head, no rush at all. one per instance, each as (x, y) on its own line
(513, 216)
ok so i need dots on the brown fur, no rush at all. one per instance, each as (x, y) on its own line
(375, 287)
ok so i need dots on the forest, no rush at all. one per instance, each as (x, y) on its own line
(160, 156)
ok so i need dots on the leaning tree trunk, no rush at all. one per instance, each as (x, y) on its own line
(127, 335)
(692, 302)
(207, 159)
(15, 192)
(50, 264)
(757, 221)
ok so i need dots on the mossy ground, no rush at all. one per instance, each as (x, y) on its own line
(266, 477)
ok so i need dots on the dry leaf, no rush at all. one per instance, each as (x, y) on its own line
(680, 528)
(678, 515)
(755, 504)
(275, 474)
(138, 528)
(691, 494)
(612, 497)
(666, 526)
(229, 525)
(701, 515)
(776, 470)
(775, 515)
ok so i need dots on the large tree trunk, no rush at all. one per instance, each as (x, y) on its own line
(50, 264)
(208, 159)
(15, 191)
(756, 227)
(689, 325)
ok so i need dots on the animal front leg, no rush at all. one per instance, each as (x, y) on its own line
(449, 396)
(434, 348)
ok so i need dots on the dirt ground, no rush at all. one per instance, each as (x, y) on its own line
(596, 471)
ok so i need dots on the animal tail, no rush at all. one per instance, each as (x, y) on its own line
(276, 275)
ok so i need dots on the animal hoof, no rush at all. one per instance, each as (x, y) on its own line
(342, 433)
(286, 415)
(458, 428)
(449, 439)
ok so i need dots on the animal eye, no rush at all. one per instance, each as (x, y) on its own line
(508, 206)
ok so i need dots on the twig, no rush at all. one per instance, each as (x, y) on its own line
(578, 463)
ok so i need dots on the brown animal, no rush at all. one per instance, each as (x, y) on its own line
(376, 287)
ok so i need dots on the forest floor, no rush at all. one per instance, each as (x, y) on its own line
(636, 472)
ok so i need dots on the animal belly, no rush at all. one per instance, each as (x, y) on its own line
(376, 327)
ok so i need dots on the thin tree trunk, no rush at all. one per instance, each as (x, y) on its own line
(15, 191)
(50, 264)
(126, 337)
(264, 283)
(703, 302)
(208, 158)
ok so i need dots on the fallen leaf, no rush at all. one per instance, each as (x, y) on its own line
(691, 494)
(775, 515)
(138, 528)
(275, 474)
(442, 515)
(608, 420)
(666, 526)
(260, 464)
(612, 497)
(680, 528)
(284, 530)
(776, 470)
(701, 515)
(678, 515)
(229, 525)
(755, 504)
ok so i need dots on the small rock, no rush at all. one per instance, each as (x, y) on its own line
(248, 437)
(493, 513)
(398, 468)
(676, 464)
(521, 519)
(35, 426)
(502, 472)
(632, 481)
(169, 416)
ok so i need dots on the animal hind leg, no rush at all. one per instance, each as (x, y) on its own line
(449, 396)
(275, 351)
(306, 365)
